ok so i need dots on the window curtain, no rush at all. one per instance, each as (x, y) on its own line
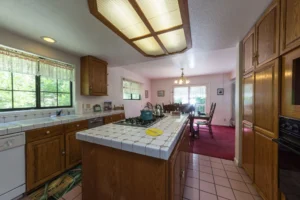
(18, 62)
(56, 70)
(12, 61)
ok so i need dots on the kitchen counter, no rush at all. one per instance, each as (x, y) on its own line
(134, 139)
(25, 125)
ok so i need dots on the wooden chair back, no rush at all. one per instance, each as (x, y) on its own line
(212, 113)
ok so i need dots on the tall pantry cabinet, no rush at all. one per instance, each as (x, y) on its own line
(261, 102)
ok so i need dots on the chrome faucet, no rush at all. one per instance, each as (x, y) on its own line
(59, 112)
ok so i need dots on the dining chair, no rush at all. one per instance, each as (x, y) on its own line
(207, 122)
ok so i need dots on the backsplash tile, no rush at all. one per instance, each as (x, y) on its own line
(12, 116)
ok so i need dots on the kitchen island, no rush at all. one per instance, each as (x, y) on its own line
(124, 163)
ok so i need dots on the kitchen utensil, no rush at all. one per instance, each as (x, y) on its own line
(154, 132)
(146, 114)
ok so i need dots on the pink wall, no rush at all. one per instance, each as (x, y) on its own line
(224, 108)
(132, 108)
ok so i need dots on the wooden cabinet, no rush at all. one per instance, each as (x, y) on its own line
(50, 151)
(249, 51)
(114, 118)
(248, 90)
(267, 35)
(93, 76)
(45, 160)
(73, 146)
(266, 99)
(290, 25)
(266, 164)
(289, 70)
(248, 149)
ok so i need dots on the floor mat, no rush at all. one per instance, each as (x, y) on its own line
(56, 188)
(220, 144)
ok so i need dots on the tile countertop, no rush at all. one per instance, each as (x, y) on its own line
(134, 139)
(25, 125)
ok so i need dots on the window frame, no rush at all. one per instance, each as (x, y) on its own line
(131, 81)
(189, 96)
(37, 95)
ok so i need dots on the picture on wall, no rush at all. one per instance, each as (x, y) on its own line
(160, 93)
(220, 91)
(146, 94)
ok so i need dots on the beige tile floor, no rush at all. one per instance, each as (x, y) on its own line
(208, 178)
(211, 178)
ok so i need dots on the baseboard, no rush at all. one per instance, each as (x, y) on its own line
(237, 162)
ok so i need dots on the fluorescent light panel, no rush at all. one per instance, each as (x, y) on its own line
(174, 41)
(123, 16)
(162, 14)
(149, 46)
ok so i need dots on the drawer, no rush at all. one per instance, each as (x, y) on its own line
(42, 133)
(76, 126)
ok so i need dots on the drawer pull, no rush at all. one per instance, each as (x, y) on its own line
(63, 153)
(47, 132)
(78, 125)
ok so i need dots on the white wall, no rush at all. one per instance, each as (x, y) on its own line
(238, 106)
(132, 108)
(223, 110)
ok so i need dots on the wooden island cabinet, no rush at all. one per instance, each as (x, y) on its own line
(114, 174)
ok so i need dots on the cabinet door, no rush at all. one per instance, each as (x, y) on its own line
(248, 149)
(183, 171)
(73, 150)
(266, 99)
(248, 89)
(290, 67)
(98, 77)
(267, 35)
(175, 173)
(108, 119)
(290, 25)
(45, 160)
(266, 165)
(248, 51)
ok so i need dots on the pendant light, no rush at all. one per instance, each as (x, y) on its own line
(182, 79)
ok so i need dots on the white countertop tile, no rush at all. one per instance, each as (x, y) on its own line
(135, 139)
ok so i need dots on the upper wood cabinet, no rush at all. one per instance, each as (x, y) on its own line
(290, 25)
(267, 35)
(266, 99)
(93, 76)
(248, 89)
(248, 51)
(289, 71)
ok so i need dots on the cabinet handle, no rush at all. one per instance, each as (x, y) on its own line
(63, 152)
(47, 132)
(78, 125)
(182, 173)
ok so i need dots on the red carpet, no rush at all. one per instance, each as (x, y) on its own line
(220, 144)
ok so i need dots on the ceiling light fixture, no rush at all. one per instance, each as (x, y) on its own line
(154, 28)
(182, 79)
(48, 39)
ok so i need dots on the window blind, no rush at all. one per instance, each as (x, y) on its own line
(131, 90)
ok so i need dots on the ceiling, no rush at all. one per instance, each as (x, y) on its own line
(216, 26)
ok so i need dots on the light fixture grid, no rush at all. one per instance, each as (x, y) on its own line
(185, 25)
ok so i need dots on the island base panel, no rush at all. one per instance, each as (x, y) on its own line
(113, 174)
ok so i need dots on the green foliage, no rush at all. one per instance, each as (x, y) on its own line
(200, 100)
(53, 93)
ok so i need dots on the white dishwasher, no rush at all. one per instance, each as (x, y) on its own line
(12, 166)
